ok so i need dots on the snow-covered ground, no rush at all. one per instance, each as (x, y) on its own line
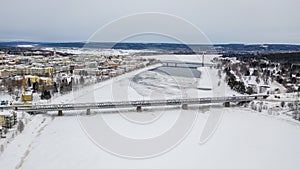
(243, 139)
(5, 96)
(205, 81)
(94, 51)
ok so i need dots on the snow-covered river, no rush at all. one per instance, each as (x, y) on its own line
(242, 138)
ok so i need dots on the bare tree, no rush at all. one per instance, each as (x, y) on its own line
(21, 126)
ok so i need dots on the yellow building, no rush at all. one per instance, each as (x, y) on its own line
(33, 79)
(27, 96)
(112, 64)
(49, 70)
(8, 119)
(45, 80)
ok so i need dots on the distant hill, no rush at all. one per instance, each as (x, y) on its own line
(221, 48)
(282, 57)
(258, 47)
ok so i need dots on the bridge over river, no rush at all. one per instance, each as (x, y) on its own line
(180, 64)
(138, 104)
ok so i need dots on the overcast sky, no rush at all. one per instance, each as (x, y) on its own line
(223, 21)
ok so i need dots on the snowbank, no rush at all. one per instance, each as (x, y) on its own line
(243, 140)
(205, 81)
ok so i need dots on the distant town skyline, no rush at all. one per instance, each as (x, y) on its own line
(227, 21)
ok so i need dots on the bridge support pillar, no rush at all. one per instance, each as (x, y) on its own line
(88, 111)
(139, 109)
(60, 113)
(184, 106)
(227, 104)
(297, 116)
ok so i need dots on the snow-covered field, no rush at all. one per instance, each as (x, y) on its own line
(94, 51)
(243, 139)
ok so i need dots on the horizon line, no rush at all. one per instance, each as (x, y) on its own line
(139, 42)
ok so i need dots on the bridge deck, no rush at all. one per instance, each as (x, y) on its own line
(127, 104)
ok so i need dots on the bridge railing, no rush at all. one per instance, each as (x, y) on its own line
(124, 104)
